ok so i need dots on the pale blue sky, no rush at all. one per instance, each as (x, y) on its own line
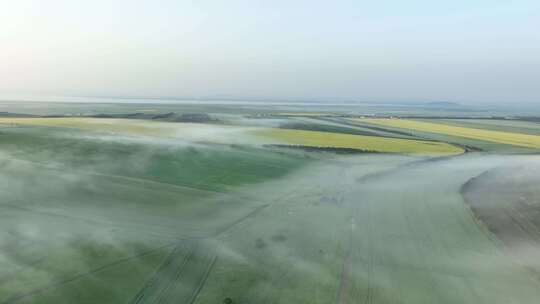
(415, 50)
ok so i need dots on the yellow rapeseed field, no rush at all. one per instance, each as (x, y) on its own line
(127, 126)
(370, 143)
(286, 136)
(516, 139)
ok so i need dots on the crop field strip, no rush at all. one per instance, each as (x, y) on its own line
(336, 125)
(516, 139)
(130, 126)
(299, 137)
(366, 143)
(377, 130)
(505, 125)
(468, 144)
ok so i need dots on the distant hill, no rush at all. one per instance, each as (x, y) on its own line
(443, 104)
(8, 114)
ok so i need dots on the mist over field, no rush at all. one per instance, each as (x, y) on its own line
(147, 211)
(241, 152)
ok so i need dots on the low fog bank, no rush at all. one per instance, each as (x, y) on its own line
(506, 199)
(259, 220)
(400, 224)
(59, 207)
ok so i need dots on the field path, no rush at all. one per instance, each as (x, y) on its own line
(59, 284)
(181, 276)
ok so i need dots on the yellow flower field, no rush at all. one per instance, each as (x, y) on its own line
(516, 139)
(370, 143)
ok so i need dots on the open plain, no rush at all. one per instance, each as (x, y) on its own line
(264, 208)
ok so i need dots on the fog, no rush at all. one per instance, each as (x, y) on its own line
(402, 215)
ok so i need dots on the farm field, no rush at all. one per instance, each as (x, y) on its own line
(516, 139)
(382, 246)
(269, 152)
(342, 123)
(109, 210)
(112, 207)
(514, 126)
(180, 131)
(361, 142)
(186, 131)
(507, 200)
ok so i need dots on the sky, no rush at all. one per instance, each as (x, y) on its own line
(467, 51)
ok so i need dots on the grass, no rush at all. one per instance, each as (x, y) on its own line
(367, 143)
(516, 139)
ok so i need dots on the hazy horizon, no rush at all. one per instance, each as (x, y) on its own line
(419, 51)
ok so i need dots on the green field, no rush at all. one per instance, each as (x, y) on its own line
(505, 125)
(140, 211)
(102, 204)
(360, 142)
(516, 139)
